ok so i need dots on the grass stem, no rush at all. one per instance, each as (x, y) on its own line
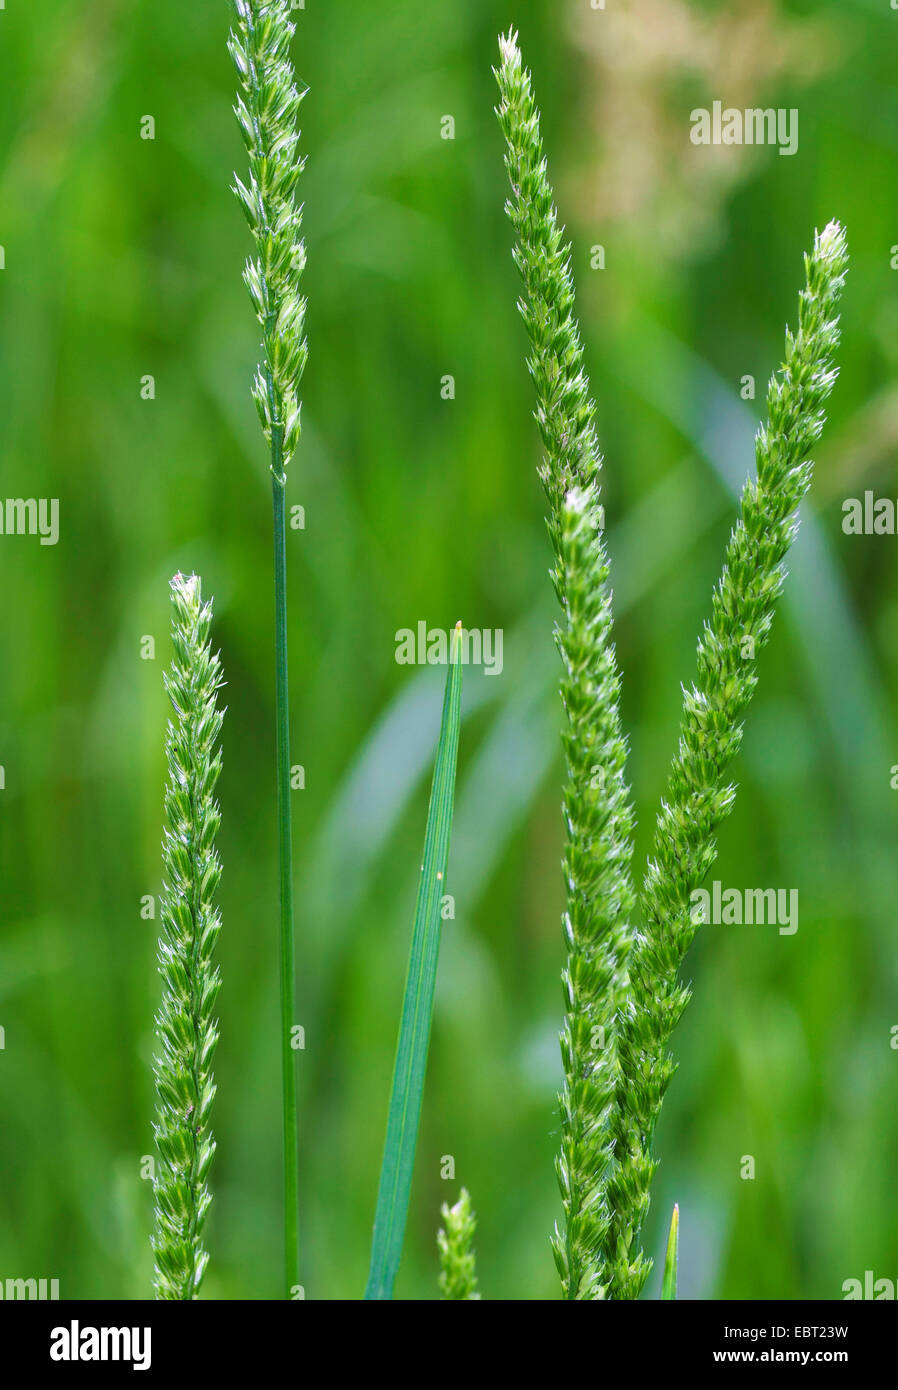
(285, 854)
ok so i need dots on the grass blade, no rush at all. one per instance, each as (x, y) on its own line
(669, 1283)
(417, 1009)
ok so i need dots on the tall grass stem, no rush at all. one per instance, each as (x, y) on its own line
(267, 113)
(285, 856)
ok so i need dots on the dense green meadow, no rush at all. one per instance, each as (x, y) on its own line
(421, 504)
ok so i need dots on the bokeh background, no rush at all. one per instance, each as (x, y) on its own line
(123, 259)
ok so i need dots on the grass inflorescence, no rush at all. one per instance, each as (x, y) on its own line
(598, 814)
(699, 793)
(622, 991)
(455, 1242)
(267, 110)
(186, 1028)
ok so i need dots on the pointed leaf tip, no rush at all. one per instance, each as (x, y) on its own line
(669, 1283)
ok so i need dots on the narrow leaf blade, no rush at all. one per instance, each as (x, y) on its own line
(417, 1009)
(669, 1283)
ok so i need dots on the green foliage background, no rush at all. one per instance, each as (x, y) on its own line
(123, 259)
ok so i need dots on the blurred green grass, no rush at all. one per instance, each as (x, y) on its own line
(123, 258)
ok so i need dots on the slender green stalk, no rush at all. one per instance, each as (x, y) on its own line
(455, 1242)
(186, 1030)
(597, 810)
(267, 112)
(417, 1010)
(285, 856)
(699, 794)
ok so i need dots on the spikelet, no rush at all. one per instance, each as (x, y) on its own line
(455, 1241)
